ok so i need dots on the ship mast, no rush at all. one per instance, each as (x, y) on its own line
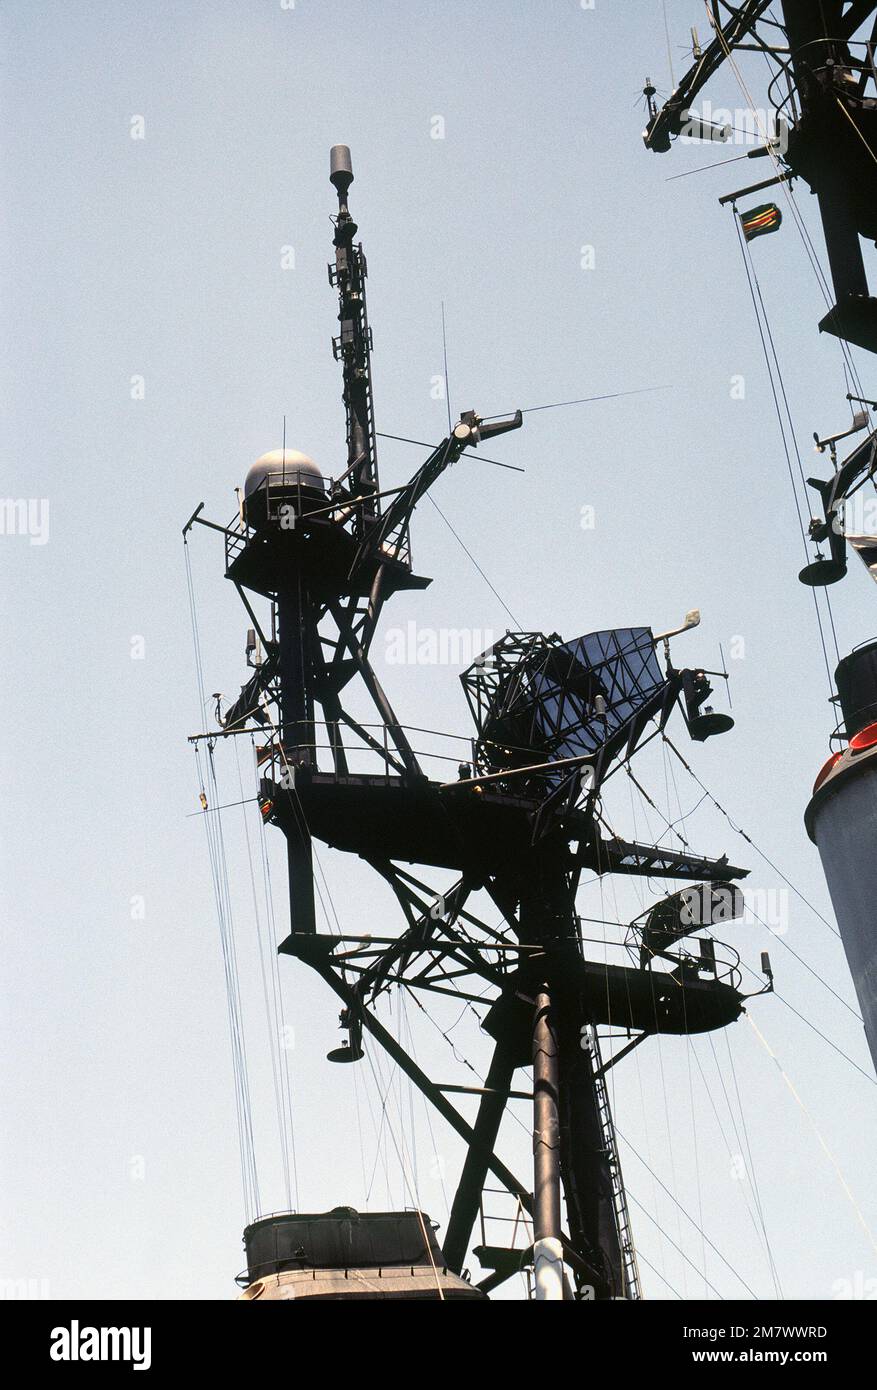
(826, 93)
(521, 823)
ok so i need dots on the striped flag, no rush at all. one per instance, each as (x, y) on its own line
(761, 220)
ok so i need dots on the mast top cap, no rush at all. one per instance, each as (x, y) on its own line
(340, 168)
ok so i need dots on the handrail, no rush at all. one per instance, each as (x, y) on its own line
(787, 70)
(282, 487)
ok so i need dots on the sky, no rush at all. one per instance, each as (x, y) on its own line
(164, 239)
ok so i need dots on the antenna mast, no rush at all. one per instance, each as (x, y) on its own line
(521, 824)
(353, 346)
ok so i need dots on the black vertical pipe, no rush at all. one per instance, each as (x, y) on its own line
(546, 1126)
(547, 915)
(297, 739)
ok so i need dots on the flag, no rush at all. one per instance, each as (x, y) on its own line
(761, 220)
(866, 549)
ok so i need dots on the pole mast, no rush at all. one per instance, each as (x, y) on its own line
(353, 345)
(547, 1247)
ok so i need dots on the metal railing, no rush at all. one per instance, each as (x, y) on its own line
(290, 498)
(864, 65)
(446, 752)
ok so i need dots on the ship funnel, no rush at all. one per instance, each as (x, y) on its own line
(842, 820)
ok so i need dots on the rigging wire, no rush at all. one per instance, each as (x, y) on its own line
(751, 1159)
(801, 961)
(738, 830)
(243, 1128)
(843, 1182)
(582, 400)
(834, 1046)
(445, 360)
(821, 1035)
(688, 1216)
(750, 1170)
(785, 442)
(743, 1184)
(274, 1039)
(408, 1176)
(225, 920)
(856, 129)
(277, 992)
(678, 1248)
(467, 453)
(694, 1139)
(812, 1026)
(792, 435)
(669, 49)
(662, 1277)
(468, 552)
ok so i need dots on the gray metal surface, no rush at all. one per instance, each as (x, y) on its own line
(845, 830)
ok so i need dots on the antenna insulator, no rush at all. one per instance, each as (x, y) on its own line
(340, 168)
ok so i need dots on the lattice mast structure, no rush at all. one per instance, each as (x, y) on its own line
(521, 822)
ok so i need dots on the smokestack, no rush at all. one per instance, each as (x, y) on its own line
(841, 820)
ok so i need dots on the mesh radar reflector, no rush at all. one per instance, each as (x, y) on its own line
(842, 821)
(538, 698)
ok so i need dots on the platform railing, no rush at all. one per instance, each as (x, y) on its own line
(862, 60)
(292, 498)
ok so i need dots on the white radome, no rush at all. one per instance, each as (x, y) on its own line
(287, 465)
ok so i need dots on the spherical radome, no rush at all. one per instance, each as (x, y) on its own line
(284, 466)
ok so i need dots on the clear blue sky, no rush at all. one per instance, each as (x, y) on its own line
(161, 258)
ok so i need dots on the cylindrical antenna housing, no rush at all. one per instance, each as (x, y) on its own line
(340, 168)
(856, 678)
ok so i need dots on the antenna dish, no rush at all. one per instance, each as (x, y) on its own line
(822, 571)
